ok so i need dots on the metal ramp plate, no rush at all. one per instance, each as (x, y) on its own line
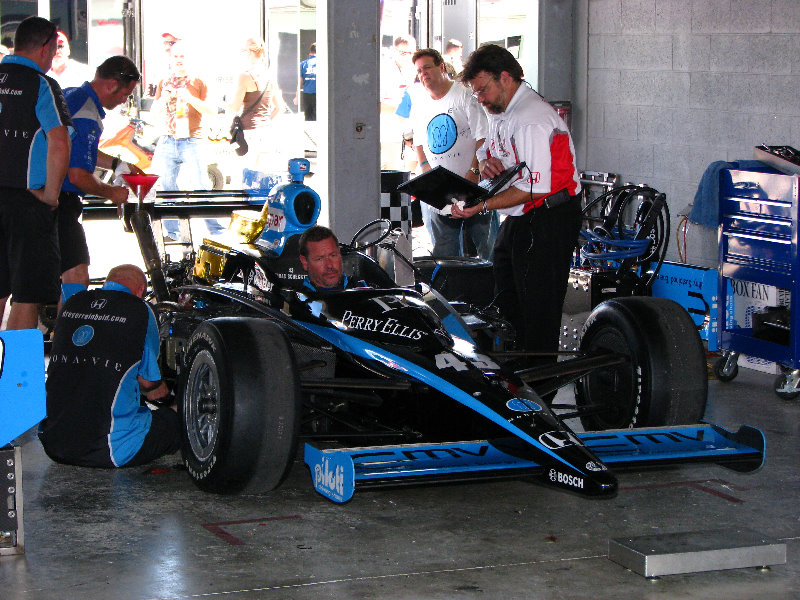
(692, 552)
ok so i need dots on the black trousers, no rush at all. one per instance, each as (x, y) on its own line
(309, 104)
(532, 257)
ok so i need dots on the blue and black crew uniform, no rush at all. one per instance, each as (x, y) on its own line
(104, 339)
(31, 104)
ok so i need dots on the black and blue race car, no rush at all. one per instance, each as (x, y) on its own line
(391, 385)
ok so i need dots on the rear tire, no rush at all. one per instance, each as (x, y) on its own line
(665, 380)
(240, 406)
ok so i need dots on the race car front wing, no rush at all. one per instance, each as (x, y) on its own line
(336, 473)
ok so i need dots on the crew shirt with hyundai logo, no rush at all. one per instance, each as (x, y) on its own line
(103, 340)
(31, 104)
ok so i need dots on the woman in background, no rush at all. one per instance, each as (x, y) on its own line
(257, 100)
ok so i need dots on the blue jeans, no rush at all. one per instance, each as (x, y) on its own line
(180, 155)
(175, 156)
(450, 234)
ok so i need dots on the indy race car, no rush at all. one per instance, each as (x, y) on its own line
(389, 385)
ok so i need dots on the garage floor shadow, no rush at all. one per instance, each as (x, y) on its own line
(149, 533)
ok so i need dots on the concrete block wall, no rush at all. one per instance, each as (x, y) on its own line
(673, 85)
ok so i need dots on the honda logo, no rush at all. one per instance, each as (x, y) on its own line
(555, 440)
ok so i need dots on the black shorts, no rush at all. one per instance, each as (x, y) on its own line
(71, 236)
(163, 438)
(29, 255)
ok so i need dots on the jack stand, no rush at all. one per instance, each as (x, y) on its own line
(12, 537)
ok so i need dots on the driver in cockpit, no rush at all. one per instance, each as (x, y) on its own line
(322, 260)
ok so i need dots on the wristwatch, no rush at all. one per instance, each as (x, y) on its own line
(476, 170)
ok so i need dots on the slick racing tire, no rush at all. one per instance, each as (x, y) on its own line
(240, 406)
(664, 380)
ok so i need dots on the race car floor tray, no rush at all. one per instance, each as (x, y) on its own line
(693, 552)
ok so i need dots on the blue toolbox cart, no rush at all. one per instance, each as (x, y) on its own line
(758, 237)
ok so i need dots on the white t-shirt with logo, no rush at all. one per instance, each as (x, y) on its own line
(448, 128)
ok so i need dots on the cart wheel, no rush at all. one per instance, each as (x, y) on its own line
(723, 371)
(663, 382)
(786, 385)
(240, 406)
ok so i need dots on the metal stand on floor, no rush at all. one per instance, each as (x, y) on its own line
(693, 552)
(22, 406)
(12, 536)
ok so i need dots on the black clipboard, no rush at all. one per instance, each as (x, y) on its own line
(440, 187)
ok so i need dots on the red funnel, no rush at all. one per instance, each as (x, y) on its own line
(140, 184)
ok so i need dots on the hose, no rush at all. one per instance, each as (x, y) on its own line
(615, 242)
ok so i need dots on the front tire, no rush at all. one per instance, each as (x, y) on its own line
(664, 381)
(240, 406)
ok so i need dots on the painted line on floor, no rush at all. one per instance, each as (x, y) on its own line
(698, 485)
(217, 528)
(378, 577)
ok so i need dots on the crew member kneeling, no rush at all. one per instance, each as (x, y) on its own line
(104, 354)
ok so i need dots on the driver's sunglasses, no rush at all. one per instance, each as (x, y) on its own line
(126, 77)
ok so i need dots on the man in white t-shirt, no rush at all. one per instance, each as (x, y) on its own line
(449, 126)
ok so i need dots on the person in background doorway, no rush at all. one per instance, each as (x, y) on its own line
(307, 95)
(453, 50)
(258, 102)
(34, 164)
(161, 69)
(181, 104)
(65, 70)
(397, 76)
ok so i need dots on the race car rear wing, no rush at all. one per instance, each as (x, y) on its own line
(336, 473)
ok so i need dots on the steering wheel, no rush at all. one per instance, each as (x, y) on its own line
(363, 246)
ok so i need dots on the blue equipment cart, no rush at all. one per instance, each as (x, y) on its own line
(758, 238)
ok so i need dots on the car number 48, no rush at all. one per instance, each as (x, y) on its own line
(448, 360)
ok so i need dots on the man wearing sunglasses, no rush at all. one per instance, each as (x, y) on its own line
(35, 131)
(67, 71)
(113, 82)
(535, 243)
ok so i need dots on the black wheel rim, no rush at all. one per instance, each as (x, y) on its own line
(616, 390)
(201, 404)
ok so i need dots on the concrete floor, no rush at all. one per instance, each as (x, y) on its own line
(148, 533)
